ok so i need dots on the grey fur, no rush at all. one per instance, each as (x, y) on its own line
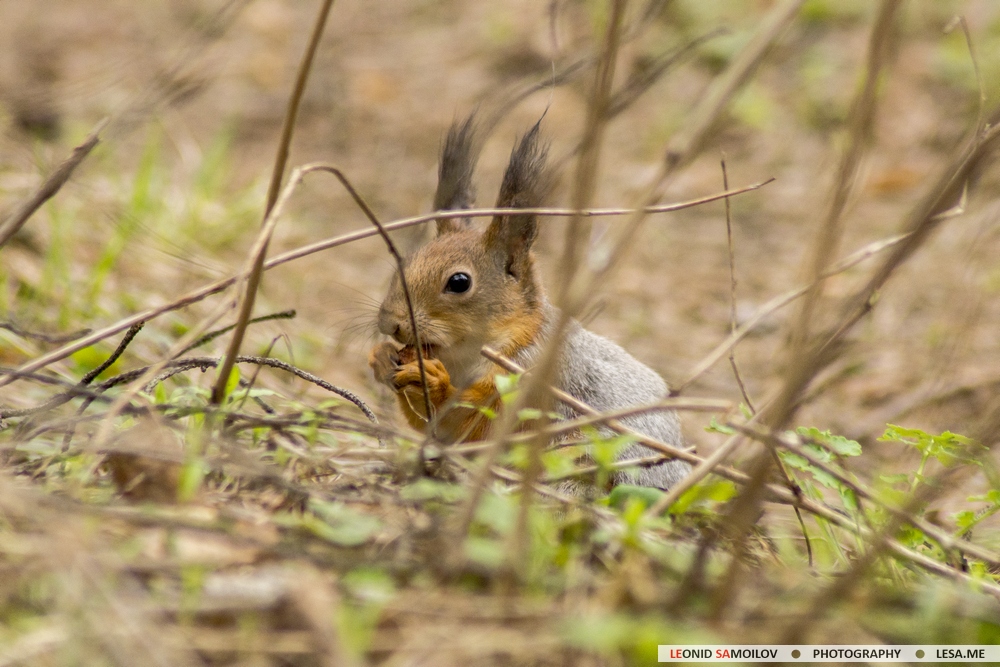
(601, 374)
(505, 293)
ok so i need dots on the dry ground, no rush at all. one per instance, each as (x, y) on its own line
(391, 76)
(197, 93)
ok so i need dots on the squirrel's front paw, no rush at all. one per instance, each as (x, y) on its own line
(439, 388)
(384, 361)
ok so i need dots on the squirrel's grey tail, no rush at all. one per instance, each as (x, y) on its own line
(458, 161)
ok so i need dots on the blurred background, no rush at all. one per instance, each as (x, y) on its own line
(196, 92)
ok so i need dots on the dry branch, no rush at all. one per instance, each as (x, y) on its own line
(770, 492)
(277, 174)
(214, 288)
(50, 186)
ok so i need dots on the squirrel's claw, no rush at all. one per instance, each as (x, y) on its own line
(409, 374)
(439, 388)
(384, 362)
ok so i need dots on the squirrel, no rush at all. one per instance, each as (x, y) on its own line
(471, 289)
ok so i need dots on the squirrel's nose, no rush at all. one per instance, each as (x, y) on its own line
(389, 325)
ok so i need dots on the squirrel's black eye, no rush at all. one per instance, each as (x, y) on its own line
(458, 283)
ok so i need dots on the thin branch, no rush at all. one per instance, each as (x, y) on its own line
(772, 492)
(277, 174)
(698, 473)
(960, 21)
(69, 395)
(50, 339)
(688, 142)
(173, 367)
(922, 222)
(779, 302)
(732, 288)
(704, 115)
(794, 443)
(860, 124)
(511, 367)
(577, 237)
(363, 205)
(132, 332)
(673, 404)
(212, 335)
(50, 186)
(214, 288)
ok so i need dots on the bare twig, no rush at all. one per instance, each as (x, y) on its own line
(212, 335)
(277, 174)
(732, 289)
(363, 205)
(922, 222)
(704, 115)
(214, 288)
(579, 406)
(960, 21)
(671, 404)
(67, 396)
(772, 492)
(132, 332)
(52, 339)
(173, 367)
(779, 302)
(686, 144)
(50, 186)
(860, 121)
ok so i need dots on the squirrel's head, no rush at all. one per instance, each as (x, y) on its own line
(471, 288)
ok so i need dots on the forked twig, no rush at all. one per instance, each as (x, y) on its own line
(205, 291)
(779, 302)
(772, 492)
(795, 444)
(363, 205)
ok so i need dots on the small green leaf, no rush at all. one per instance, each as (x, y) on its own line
(715, 427)
(431, 489)
(340, 524)
(487, 552)
(992, 496)
(964, 519)
(623, 493)
(506, 384)
(837, 443)
(708, 493)
(528, 414)
(848, 497)
(233, 382)
(898, 478)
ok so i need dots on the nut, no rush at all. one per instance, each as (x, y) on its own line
(408, 354)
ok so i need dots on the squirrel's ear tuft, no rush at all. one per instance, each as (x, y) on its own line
(526, 182)
(458, 161)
